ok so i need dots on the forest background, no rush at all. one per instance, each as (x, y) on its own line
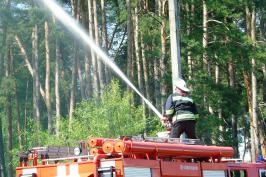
(55, 91)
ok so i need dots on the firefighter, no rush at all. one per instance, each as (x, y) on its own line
(180, 110)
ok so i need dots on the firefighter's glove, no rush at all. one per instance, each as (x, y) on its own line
(168, 126)
(166, 123)
(164, 120)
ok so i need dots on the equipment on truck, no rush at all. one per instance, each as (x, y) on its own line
(137, 157)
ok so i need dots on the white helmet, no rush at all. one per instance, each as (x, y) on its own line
(181, 84)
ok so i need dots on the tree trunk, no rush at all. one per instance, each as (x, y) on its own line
(96, 87)
(189, 53)
(5, 19)
(231, 72)
(2, 157)
(145, 70)
(248, 21)
(217, 74)
(249, 91)
(47, 79)
(129, 41)
(73, 8)
(88, 80)
(18, 119)
(3, 171)
(206, 65)
(163, 53)
(263, 35)
(146, 5)
(35, 73)
(251, 29)
(25, 112)
(249, 97)
(190, 64)
(264, 82)
(81, 80)
(105, 41)
(80, 65)
(156, 83)
(220, 115)
(192, 24)
(204, 45)
(9, 115)
(263, 141)
(97, 40)
(133, 61)
(26, 60)
(56, 83)
(254, 83)
(72, 102)
(137, 52)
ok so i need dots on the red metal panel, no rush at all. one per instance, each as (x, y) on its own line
(214, 166)
(246, 165)
(180, 169)
(18, 172)
(156, 172)
(141, 163)
(144, 163)
(252, 169)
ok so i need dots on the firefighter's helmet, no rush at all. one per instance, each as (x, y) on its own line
(181, 84)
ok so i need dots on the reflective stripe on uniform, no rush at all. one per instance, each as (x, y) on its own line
(169, 111)
(183, 117)
(181, 98)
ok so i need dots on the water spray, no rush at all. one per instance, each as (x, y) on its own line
(75, 28)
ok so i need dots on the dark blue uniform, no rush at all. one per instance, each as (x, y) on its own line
(182, 113)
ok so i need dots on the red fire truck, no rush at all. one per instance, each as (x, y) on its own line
(136, 157)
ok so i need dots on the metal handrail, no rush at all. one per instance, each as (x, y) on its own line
(69, 158)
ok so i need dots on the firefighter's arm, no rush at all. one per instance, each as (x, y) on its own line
(169, 108)
(168, 112)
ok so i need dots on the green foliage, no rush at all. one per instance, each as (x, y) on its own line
(110, 116)
(7, 88)
(154, 126)
(207, 133)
